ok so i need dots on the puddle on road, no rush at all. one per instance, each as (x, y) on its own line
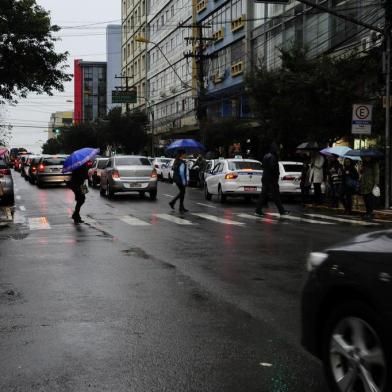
(137, 252)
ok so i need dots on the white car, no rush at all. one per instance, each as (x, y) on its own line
(210, 167)
(157, 163)
(290, 177)
(167, 171)
(234, 177)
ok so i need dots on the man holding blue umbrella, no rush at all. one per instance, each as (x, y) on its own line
(77, 164)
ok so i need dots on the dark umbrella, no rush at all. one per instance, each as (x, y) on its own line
(366, 152)
(312, 146)
(79, 158)
(188, 145)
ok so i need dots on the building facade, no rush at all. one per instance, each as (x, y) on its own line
(169, 75)
(89, 91)
(134, 53)
(58, 121)
(113, 59)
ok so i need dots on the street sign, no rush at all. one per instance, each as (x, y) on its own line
(124, 96)
(362, 119)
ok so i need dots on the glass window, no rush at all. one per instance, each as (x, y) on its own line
(53, 161)
(245, 165)
(293, 167)
(101, 164)
(131, 161)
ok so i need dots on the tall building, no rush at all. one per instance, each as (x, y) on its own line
(226, 53)
(113, 58)
(134, 53)
(169, 74)
(58, 121)
(89, 91)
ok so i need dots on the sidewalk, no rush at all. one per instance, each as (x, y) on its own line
(381, 214)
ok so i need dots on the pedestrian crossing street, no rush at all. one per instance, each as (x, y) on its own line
(236, 219)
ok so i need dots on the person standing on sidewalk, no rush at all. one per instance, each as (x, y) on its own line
(180, 179)
(350, 185)
(270, 182)
(305, 184)
(79, 188)
(370, 178)
(317, 175)
(335, 177)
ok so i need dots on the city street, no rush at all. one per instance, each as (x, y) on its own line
(141, 298)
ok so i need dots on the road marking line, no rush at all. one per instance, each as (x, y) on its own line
(22, 208)
(167, 195)
(206, 205)
(18, 197)
(335, 218)
(257, 218)
(132, 221)
(298, 219)
(40, 223)
(174, 219)
(214, 218)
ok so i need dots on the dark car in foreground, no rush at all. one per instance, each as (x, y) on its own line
(347, 313)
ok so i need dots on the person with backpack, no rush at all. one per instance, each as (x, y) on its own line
(180, 179)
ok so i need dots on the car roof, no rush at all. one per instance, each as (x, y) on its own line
(240, 160)
(290, 163)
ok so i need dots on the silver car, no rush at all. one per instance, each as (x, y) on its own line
(7, 184)
(49, 171)
(129, 173)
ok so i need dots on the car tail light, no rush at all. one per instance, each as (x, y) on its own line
(231, 176)
(288, 178)
(5, 172)
(33, 169)
(115, 174)
(154, 174)
(41, 168)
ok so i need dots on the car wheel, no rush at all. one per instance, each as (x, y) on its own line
(356, 350)
(221, 195)
(153, 195)
(101, 191)
(39, 184)
(207, 194)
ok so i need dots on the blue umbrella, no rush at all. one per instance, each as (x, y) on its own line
(189, 145)
(340, 151)
(79, 158)
(366, 152)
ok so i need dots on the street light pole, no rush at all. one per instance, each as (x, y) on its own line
(388, 116)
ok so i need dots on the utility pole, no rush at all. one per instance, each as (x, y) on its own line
(387, 54)
(126, 88)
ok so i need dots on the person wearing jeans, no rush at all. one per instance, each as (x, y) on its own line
(180, 179)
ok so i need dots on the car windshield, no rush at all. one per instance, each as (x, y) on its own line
(102, 163)
(132, 161)
(292, 167)
(245, 165)
(53, 161)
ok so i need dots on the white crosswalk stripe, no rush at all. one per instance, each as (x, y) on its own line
(174, 219)
(132, 221)
(344, 220)
(40, 223)
(216, 219)
(298, 219)
(257, 218)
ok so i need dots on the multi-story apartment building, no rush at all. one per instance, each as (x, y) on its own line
(169, 76)
(113, 59)
(89, 90)
(134, 53)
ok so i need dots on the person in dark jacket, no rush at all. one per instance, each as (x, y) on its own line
(270, 182)
(78, 178)
(350, 185)
(180, 179)
(335, 177)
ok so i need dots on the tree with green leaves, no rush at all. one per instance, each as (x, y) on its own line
(311, 98)
(28, 60)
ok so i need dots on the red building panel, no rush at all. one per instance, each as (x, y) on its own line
(78, 92)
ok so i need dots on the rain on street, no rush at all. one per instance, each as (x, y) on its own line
(140, 298)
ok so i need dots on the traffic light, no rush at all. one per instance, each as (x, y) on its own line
(57, 131)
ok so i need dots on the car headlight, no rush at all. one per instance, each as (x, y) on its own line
(315, 259)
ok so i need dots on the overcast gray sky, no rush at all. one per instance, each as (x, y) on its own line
(86, 42)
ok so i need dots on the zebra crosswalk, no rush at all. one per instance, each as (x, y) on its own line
(236, 219)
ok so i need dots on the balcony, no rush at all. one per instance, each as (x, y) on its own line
(237, 68)
(238, 24)
(219, 35)
(201, 6)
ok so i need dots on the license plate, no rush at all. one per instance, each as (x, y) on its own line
(250, 188)
(54, 170)
(133, 185)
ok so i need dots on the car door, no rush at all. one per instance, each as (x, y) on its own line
(214, 178)
(104, 174)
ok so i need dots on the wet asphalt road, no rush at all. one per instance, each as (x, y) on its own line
(134, 300)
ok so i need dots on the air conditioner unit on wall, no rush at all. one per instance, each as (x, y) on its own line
(173, 90)
(162, 94)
